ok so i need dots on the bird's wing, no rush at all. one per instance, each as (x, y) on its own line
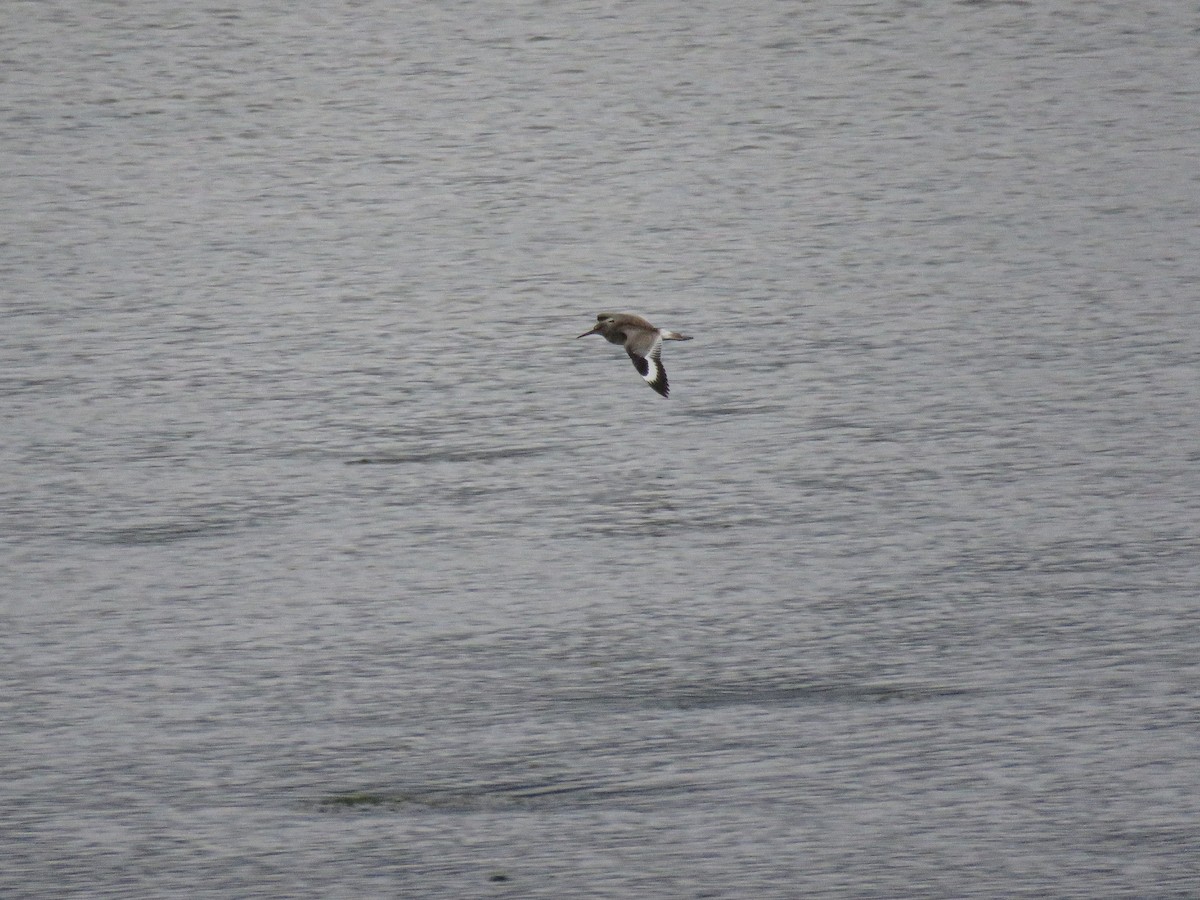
(650, 365)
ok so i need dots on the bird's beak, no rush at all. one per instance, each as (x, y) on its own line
(591, 330)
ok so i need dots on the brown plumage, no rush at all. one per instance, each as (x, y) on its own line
(642, 341)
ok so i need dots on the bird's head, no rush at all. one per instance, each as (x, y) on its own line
(603, 321)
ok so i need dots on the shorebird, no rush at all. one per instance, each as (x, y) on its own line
(641, 340)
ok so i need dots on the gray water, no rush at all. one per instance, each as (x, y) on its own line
(334, 567)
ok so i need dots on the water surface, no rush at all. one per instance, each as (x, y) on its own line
(334, 567)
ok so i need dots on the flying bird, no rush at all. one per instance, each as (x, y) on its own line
(641, 340)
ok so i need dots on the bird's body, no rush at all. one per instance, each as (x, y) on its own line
(642, 341)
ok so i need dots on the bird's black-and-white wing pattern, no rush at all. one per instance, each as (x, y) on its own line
(650, 366)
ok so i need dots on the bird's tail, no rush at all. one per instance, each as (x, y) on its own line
(674, 336)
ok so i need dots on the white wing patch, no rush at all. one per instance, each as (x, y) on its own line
(651, 367)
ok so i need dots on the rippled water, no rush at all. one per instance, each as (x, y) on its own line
(334, 567)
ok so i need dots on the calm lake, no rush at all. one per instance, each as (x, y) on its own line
(332, 566)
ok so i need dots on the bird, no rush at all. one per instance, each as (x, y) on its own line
(641, 340)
